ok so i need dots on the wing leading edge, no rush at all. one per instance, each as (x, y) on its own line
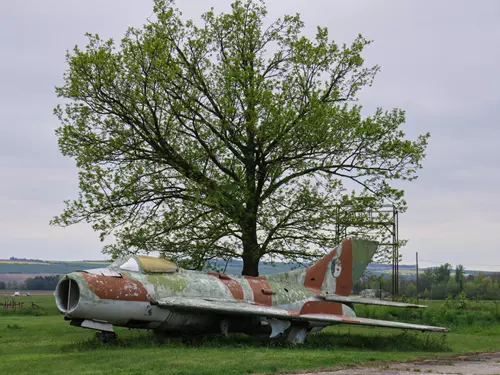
(249, 309)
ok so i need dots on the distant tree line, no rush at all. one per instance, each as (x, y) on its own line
(437, 283)
(41, 283)
(25, 259)
(33, 283)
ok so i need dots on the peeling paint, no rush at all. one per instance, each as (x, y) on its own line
(164, 297)
(175, 283)
(233, 285)
(113, 288)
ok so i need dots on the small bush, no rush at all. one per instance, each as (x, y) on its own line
(139, 340)
(14, 326)
(23, 312)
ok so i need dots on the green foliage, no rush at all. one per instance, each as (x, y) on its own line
(229, 139)
(41, 283)
(457, 313)
(410, 290)
(425, 294)
(442, 273)
(13, 326)
(402, 341)
(44, 306)
(439, 290)
(459, 273)
(25, 311)
(483, 287)
(461, 300)
(437, 284)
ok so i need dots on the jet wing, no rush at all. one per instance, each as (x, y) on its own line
(369, 301)
(234, 307)
(212, 305)
(342, 319)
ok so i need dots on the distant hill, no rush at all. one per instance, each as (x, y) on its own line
(46, 267)
(55, 267)
(234, 267)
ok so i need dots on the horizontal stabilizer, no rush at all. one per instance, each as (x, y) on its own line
(369, 301)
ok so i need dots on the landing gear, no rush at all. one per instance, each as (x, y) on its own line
(350, 305)
(224, 327)
(106, 336)
(296, 335)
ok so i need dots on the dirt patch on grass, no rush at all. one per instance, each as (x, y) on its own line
(474, 364)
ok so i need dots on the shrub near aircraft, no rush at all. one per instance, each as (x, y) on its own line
(152, 293)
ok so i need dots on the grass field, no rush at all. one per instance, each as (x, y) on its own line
(46, 344)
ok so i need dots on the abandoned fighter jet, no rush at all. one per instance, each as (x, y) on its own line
(153, 293)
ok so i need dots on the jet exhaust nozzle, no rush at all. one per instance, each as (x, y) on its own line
(67, 294)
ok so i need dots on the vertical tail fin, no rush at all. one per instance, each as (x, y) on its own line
(335, 272)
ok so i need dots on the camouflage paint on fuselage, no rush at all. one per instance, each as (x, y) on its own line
(127, 293)
(126, 300)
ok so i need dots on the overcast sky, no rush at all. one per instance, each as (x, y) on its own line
(440, 62)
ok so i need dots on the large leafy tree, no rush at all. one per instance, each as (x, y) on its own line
(227, 138)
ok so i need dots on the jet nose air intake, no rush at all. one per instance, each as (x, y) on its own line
(67, 294)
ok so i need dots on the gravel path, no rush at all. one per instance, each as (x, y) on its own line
(477, 364)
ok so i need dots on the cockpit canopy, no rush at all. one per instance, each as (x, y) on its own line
(144, 264)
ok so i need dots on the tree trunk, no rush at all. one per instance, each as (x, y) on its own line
(251, 249)
(250, 266)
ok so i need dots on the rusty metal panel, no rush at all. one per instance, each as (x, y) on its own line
(259, 285)
(111, 288)
(232, 284)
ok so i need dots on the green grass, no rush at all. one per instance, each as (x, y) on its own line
(475, 315)
(47, 344)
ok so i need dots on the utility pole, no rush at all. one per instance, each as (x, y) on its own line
(395, 253)
(416, 266)
(380, 286)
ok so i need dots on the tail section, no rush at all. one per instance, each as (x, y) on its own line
(335, 272)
